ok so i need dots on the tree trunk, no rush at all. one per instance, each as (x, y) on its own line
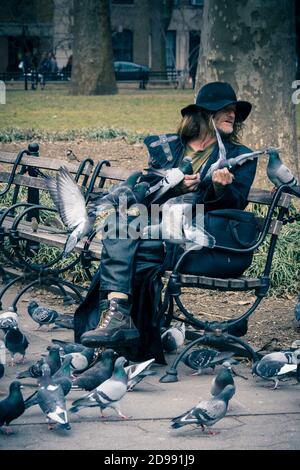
(251, 45)
(92, 69)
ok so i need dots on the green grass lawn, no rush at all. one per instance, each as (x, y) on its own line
(136, 111)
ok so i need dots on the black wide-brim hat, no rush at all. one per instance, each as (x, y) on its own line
(215, 96)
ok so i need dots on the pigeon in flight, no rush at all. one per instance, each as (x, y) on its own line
(96, 375)
(11, 407)
(137, 372)
(207, 412)
(173, 337)
(108, 394)
(16, 342)
(200, 359)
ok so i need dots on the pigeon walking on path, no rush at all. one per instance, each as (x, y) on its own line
(53, 360)
(222, 379)
(41, 315)
(68, 347)
(96, 375)
(16, 342)
(11, 407)
(173, 337)
(81, 360)
(200, 359)
(274, 370)
(108, 394)
(207, 412)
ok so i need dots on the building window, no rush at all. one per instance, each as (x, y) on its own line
(197, 3)
(122, 45)
(171, 50)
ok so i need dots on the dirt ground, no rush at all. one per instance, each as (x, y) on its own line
(275, 316)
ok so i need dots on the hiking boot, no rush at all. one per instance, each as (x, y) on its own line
(115, 325)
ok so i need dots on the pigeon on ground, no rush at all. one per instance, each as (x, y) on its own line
(50, 397)
(41, 315)
(80, 361)
(173, 337)
(53, 360)
(8, 319)
(108, 394)
(278, 173)
(16, 342)
(68, 347)
(177, 225)
(11, 407)
(200, 359)
(65, 321)
(297, 310)
(137, 372)
(62, 377)
(222, 379)
(286, 357)
(274, 370)
(96, 375)
(207, 412)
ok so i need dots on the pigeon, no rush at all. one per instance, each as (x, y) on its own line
(137, 372)
(12, 406)
(62, 377)
(8, 319)
(173, 337)
(68, 346)
(50, 398)
(297, 310)
(34, 225)
(200, 359)
(278, 173)
(96, 375)
(177, 225)
(53, 360)
(80, 361)
(2, 359)
(71, 156)
(108, 394)
(222, 379)
(16, 342)
(41, 315)
(286, 357)
(207, 412)
(273, 370)
(65, 321)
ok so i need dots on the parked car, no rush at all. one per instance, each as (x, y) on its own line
(127, 71)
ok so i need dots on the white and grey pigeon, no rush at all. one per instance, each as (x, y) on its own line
(290, 356)
(137, 372)
(222, 379)
(177, 225)
(278, 173)
(8, 318)
(108, 394)
(81, 360)
(41, 315)
(51, 399)
(204, 358)
(277, 366)
(173, 337)
(207, 412)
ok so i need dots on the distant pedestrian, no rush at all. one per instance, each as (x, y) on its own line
(44, 69)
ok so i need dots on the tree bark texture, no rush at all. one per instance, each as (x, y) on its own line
(251, 44)
(92, 70)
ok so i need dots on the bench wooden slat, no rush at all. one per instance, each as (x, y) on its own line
(43, 163)
(119, 174)
(262, 196)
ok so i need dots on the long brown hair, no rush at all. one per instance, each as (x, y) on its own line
(200, 124)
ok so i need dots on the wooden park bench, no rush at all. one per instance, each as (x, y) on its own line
(16, 229)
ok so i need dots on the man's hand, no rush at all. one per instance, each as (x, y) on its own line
(190, 183)
(220, 179)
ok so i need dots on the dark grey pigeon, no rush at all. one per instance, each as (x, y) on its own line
(62, 377)
(207, 412)
(68, 346)
(200, 359)
(51, 400)
(16, 342)
(96, 375)
(222, 379)
(41, 315)
(108, 394)
(53, 360)
(65, 321)
(12, 406)
(274, 370)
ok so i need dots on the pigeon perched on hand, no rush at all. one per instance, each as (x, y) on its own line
(8, 319)
(222, 379)
(137, 372)
(53, 360)
(97, 374)
(41, 315)
(16, 342)
(11, 407)
(50, 398)
(200, 359)
(207, 412)
(108, 394)
(173, 337)
(278, 173)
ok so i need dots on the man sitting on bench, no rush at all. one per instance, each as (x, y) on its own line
(125, 292)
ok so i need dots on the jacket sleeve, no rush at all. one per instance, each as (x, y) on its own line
(235, 194)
